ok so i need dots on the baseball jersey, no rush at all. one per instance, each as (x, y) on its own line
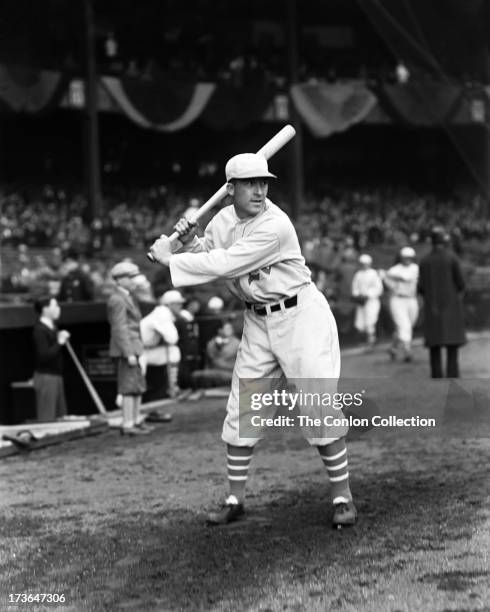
(259, 257)
(403, 279)
(367, 283)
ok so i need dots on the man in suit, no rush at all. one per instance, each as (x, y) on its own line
(48, 373)
(441, 284)
(126, 346)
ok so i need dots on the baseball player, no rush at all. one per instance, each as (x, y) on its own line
(401, 279)
(289, 329)
(367, 289)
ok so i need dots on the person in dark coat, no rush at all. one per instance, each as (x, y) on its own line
(441, 284)
(48, 373)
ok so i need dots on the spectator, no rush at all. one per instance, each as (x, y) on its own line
(221, 352)
(127, 347)
(48, 373)
(76, 285)
(343, 298)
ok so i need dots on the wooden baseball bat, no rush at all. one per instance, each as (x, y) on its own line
(270, 148)
(91, 389)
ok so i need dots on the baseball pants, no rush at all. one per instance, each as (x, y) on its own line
(367, 316)
(404, 312)
(297, 343)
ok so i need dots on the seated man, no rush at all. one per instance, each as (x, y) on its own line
(221, 352)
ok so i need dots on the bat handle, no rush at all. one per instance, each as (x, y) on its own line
(173, 237)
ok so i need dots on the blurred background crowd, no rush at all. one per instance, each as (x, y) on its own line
(47, 234)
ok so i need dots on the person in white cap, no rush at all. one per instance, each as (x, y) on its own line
(160, 338)
(367, 289)
(401, 279)
(126, 346)
(215, 305)
(289, 330)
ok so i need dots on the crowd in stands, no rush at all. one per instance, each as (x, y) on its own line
(133, 218)
(55, 221)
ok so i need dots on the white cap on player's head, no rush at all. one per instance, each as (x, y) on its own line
(172, 297)
(246, 166)
(407, 252)
(365, 259)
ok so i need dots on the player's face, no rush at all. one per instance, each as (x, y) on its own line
(248, 196)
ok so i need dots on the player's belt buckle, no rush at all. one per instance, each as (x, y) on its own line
(268, 308)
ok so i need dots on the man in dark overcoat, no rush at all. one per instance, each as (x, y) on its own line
(442, 285)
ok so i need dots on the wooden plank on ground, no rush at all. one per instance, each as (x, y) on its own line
(95, 427)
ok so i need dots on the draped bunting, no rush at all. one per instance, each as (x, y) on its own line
(27, 90)
(328, 108)
(235, 108)
(149, 108)
(168, 105)
(421, 103)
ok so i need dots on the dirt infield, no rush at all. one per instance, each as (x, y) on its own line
(117, 524)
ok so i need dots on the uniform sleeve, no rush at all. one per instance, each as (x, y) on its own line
(116, 312)
(164, 325)
(375, 289)
(260, 249)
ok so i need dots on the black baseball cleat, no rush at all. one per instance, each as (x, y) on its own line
(228, 513)
(344, 515)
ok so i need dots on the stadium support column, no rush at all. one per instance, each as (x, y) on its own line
(91, 128)
(486, 150)
(296, 150)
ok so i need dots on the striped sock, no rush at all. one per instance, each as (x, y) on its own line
(238, 462)
(334, 457)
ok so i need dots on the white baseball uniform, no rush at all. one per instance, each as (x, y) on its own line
(160, 337)
(367, 283)
(404, 307)
(260, 259)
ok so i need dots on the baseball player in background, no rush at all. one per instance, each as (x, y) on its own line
(367, 288)
(289, 329)
(401, 279)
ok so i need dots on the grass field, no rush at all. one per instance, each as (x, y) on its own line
(117, 524)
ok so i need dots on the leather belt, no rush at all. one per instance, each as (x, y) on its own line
(263, 310)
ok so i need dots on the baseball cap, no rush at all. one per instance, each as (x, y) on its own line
(125, 268)
(407, 252)
(366, 259)
(172, 297)
(247, 165)
(215, 303)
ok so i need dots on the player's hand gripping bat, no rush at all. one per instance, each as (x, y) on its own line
(268, 150)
